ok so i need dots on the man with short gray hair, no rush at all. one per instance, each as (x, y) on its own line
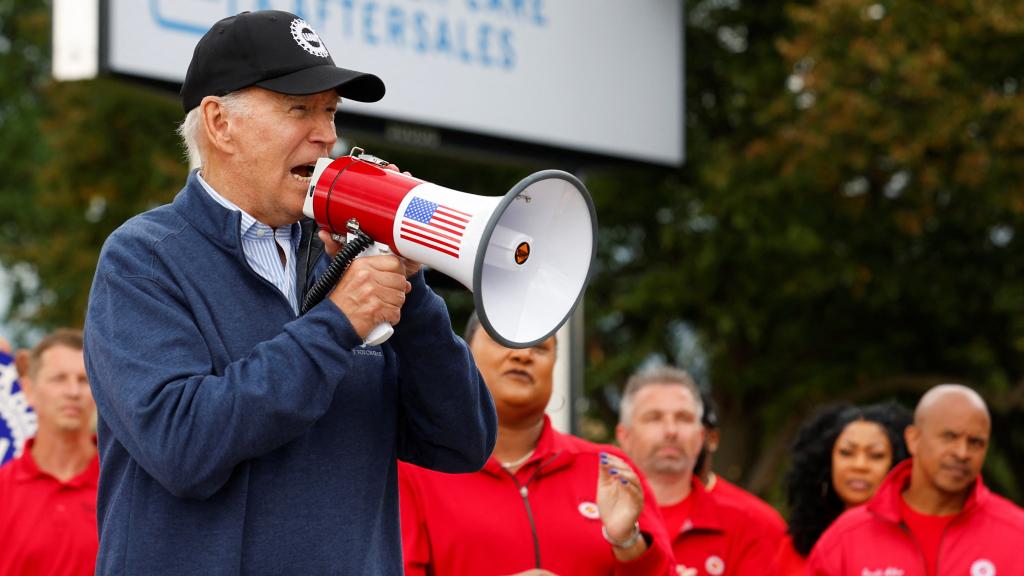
(660, 430)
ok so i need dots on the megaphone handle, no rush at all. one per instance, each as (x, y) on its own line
(379, 335)
(381, 332)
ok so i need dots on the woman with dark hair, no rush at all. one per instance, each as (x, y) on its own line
(840, 457)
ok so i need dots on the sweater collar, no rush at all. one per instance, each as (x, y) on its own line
(211, 219)
(886, 502)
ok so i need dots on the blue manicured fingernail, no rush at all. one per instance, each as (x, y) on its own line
(613, 471)
(624, 481)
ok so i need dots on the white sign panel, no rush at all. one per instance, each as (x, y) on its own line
(601, 76)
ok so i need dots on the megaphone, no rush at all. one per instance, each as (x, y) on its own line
(526, 256)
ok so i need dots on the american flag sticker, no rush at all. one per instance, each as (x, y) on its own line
(434, 225)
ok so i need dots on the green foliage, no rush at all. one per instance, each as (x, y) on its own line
(114, 153)
(848, 225)
(78, 159)
(24, 57)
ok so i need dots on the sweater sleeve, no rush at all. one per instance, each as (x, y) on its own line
(448, 419)
(154, 380)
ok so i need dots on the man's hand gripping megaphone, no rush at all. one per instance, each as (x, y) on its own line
(372, 289)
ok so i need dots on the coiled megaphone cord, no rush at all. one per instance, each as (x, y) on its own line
(335, 269)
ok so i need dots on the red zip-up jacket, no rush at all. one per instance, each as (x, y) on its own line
(545, 516)
(985, 539)
(721, 538)
(768, 519)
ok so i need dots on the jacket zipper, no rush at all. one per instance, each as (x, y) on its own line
(917, 545)
(524, 493)
(945, 529)
(920, 550)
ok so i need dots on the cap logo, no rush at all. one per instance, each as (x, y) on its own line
(307, 39)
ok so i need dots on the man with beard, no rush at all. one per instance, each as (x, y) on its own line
(660, 430)
(933, 514)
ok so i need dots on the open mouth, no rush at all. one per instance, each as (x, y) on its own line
(303, 172)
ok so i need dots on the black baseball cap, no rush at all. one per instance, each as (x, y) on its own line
(274, 50)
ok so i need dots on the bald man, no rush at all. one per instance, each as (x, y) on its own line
(933, 514)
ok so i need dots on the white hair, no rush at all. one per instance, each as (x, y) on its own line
(190, 128)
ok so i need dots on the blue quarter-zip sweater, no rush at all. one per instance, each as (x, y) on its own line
(236, 438)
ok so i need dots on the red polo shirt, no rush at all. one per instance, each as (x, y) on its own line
(47, 526)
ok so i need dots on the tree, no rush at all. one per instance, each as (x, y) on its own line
(846, 225)
(79, 158)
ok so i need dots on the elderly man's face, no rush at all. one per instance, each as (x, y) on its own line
(278, 143)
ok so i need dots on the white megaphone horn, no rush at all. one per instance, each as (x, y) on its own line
(526, 256)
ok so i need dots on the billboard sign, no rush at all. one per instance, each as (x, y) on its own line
(599, 76)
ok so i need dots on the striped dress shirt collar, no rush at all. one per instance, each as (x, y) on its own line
(260, 245)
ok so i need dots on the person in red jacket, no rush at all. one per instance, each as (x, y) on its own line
(841, 455)
(544, 503)
(48, 495)
(660, 429)
(767, 518)
(933, 514)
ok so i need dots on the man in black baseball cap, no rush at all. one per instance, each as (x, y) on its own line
(236, 436)
(273, 50)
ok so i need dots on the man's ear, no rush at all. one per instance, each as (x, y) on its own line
(28, 390)
(622, 435)
(912, 435)
(216, 124)
(22, 358)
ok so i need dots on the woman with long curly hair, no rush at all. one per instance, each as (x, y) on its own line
(840, 457)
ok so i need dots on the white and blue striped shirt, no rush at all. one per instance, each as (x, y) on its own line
(260, 245)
